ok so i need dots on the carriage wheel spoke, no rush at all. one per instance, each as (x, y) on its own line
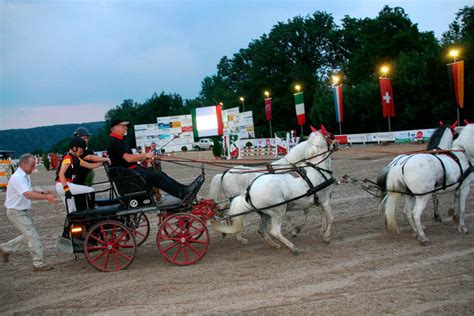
(94, 248)
(120, 253)
(106, 263)
(98, 239)
(117, 264)
(186, 256)
(176, 253)
(194, 250)
(98, 256)
(202, 230)
(171, 246)
(119, 238)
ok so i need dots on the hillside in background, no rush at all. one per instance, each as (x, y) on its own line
(30, 139)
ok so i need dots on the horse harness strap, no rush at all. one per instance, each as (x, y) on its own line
(450, 155)
(463, 176)
(302, 172)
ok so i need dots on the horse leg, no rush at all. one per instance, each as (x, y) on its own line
(408, 211)
(327, 218)
(454, 212)
(420, 205)
(292, 227)
(462, 206)
(275, 231)
(436, 209)
(264, 229)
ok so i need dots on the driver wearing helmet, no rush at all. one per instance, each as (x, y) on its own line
(67, 171)
(87, 155)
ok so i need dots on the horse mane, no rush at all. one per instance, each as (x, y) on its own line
(435, 139)
(465, 140)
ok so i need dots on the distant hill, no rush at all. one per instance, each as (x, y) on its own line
(29, 139)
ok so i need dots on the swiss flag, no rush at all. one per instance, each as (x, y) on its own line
(388, 105)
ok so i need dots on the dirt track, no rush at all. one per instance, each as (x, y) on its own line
(365, 270)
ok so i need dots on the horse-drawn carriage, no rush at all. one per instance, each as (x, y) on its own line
(109, 231)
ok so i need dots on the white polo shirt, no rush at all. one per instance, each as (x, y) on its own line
(18, 184)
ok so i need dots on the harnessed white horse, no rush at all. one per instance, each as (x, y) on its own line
(421, 175)
(272, 195)
(442, 139)
(234, 182)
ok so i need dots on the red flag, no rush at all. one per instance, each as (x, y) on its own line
(388, 105)
(268, 109)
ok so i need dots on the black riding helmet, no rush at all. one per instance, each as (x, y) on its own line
(77, 142)
(81, 131)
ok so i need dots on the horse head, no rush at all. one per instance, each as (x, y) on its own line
(465, 141)
(321, 142)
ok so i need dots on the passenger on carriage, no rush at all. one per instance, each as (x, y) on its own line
(87, 155)
(67, 171)
(121, 155)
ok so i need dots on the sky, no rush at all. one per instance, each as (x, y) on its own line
(71, 61)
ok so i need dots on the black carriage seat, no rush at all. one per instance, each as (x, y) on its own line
(98, 212)
(130, 186)
(127, 181)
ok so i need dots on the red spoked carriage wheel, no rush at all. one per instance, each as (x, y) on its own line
(140, 227)
(110, 246)
(182, 239)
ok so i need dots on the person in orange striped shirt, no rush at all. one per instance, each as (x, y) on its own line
(67, 170)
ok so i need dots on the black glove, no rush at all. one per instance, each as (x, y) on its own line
(68, 194)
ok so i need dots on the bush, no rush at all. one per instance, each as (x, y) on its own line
(184, 148)
(248, 144)
(163, 150)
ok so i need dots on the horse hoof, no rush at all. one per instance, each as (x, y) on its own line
(242, 240)
(296, 252)
(451, 211)
(463, 230)
(424, 241)
(327, 240)
(438, 219)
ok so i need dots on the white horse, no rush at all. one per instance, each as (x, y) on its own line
(268, 190)
(234, 182)
(442, 139)
(423, 174)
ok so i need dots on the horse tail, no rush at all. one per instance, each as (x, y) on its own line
(238, 205)
(388, 206)
(215, 189)
(382, 180)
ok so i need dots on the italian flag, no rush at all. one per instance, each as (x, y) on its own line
(299, 105)
(207, 121)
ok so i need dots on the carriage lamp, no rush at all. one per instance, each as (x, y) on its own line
(76, 230)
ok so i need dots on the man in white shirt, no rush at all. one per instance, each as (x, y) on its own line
(18, 202)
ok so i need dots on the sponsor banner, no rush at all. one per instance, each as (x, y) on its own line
(381, 137)
(357, 138)
(173, 132)
(413, 135)
(240, 124)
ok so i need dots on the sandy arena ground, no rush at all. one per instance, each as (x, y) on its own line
(364, 270)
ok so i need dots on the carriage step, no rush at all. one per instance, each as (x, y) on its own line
(65, 245)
